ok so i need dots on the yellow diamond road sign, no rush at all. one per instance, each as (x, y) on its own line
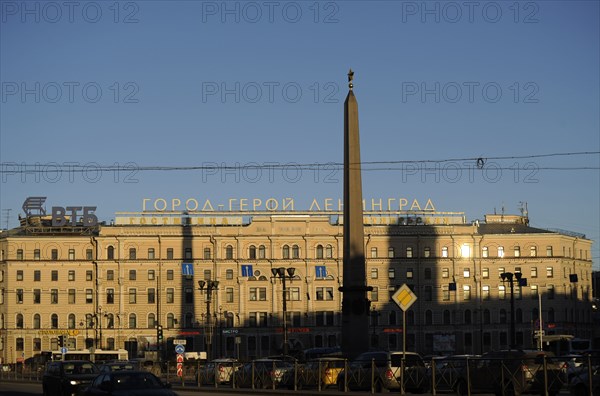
(404, 297)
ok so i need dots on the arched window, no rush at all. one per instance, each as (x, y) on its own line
(503, 316)
(37, 321)
(329, 251)
(110, 253)
(72, 321)
(262, 252)
(447, 320)
(170, 321)
(285, 252)
(19, 321)
(295, 252)
(319, 251)
(54, 321)
(110, 321)
(151, 321)
(428, 317)
(229, 252)
(132, 321)
(252, 252)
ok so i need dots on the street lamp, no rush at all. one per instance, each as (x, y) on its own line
(511, 279)
(99, 321)
(209, 286)
(280, 273)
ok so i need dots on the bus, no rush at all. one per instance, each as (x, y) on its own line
(565, 344)
(98, 356)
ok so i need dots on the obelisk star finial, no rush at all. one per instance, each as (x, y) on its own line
(350, 78)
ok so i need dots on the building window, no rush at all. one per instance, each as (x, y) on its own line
(485, 292)
(71, 276)
(19, 296)
(19, 254)
(324, 293)
(37, 296)
(189, 295)
(54, 296)
(517, 251)
(500, 251)
(71, 254)
(375, 294)
(550, 292)
(229, 252)
(262, 252)
(292, 294)
(485, 273)
(324, 318)
(445, 251)
(54, 254)
(151, 296)
(132, 254)
(37, 321)
(409, 273)
(54, 276)
(110, 253)
(534, 292)
(427, 252)
(170, 296)
(466, 273)
(295, 252)
(466, 292)
(329, 251)
(89, 275)
(151, 253)
(427, 273)
(132, 296)
(374, 273)
(151, 275)
(534, 272)
(132, 321)
(207, 253)
(409, 252)
(319, 251)
(170, 275)
(533, 251)
(132, 275)
(187, 254)
(445, 273)
(71, 296)
(549, 251)
(110, 296)
(36, 254)
(500, 271)
(549, 272)
(258, 294)
(501, 292)
(207, 274)
(54, 321)
(19, 275)
(229, 294)
(110, 275)
(285, 252)
(229, 274)
(485, 252)
(152, 321)
(373, 252)
(391, 273)
(428, 293)
(89, 296)
(390, 252)
(170, 254)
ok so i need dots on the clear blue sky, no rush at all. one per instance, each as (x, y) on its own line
(192, 83)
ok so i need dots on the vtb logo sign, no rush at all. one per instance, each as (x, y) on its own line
(83, 213)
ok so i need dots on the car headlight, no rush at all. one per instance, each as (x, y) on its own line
(73, 382)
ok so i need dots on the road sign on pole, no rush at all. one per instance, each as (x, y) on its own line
(404, 297)
(179, 349)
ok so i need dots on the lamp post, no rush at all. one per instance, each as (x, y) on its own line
(209, 286)
(511, 279)
(99, 322)
(281, 273)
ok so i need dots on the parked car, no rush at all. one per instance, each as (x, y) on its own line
(449, 371)
(382, 371)
(221, 369)
(66, 378)
(261, 373)
(511, 372)
(580, 383)
(321, 372)
(128, 383)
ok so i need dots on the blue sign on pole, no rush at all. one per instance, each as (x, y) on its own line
(187, 269)
(179, 349)
(247, 270)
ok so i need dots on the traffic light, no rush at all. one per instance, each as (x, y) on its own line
(61, 341)
(159, 333)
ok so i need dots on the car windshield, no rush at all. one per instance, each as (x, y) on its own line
(79, 368)
(135, 381)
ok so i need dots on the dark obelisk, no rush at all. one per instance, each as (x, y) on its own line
(355, 306)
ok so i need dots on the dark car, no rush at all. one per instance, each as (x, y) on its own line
(67, 378)
(511, 372)
(128, 383)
